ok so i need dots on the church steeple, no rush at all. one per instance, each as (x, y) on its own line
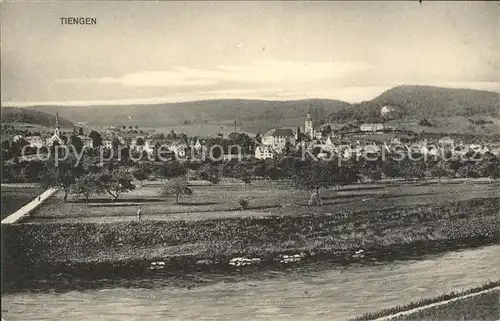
(57, 129)
(56, 138)
(308, 126)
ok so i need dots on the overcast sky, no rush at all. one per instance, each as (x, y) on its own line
(177, 51)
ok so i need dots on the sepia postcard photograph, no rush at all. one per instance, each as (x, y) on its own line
(250, 160)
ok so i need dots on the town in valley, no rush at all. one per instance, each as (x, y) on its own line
(260, 160)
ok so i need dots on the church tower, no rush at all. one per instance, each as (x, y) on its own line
(308, 126)
(57, 134)
(57, 130)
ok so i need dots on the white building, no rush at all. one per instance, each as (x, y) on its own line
(35, 141)
(197, 145)
(446, 141)
(263, 152)
(395, 141)
(386, 110)
(277, 138)
(87, 141)
(178, 148)
(371, 127)
(106, 143)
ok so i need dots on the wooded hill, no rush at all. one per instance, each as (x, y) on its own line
(444, 109)
(251, 115)
(422, 102)
(31, 116)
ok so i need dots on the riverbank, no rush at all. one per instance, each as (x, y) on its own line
(479, 303)
(296, 292)
(347, 236)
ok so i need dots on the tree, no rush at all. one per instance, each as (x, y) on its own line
(371, 169)
(76, 142)
(17, 147)
(390, 168)
(243, 203)
(425, 122)
(258, 138)
(313, 176)
(140, 141)
(80, 131)
(96, 138)
(183, 137)
(116, 142)
(6, 149)
(488, 166)
(116, 182)
(442, 169)
(323, 174)
(209, 172)
(298, 134)
(63, 176)
(467, 169)
(246, 178)
(142, 172)
(172, 169)
(412, 169)
(177, 186)
(172, 135)
(88, 185)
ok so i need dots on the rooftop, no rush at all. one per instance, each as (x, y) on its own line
(284, 132)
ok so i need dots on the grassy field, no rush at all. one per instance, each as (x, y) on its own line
(414, 228)
(265, 199)
(13, 198)
(453, 124)
(456, 306)
(484, 307)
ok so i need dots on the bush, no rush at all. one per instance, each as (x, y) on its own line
(243, 203)
(425, 122)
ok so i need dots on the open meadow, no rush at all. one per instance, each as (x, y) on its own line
(15, 196)
(209, 224)
(264, 199)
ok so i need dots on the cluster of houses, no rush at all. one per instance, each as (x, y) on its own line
(138, 143)
(273, 143)
(38, 141)
(276, 141)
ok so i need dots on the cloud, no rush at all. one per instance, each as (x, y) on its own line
(258, 73)
(350, 94)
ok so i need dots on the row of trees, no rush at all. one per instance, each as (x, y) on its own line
(87, 177)
(85, 180)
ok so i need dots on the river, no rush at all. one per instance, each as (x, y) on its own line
(299, 293)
